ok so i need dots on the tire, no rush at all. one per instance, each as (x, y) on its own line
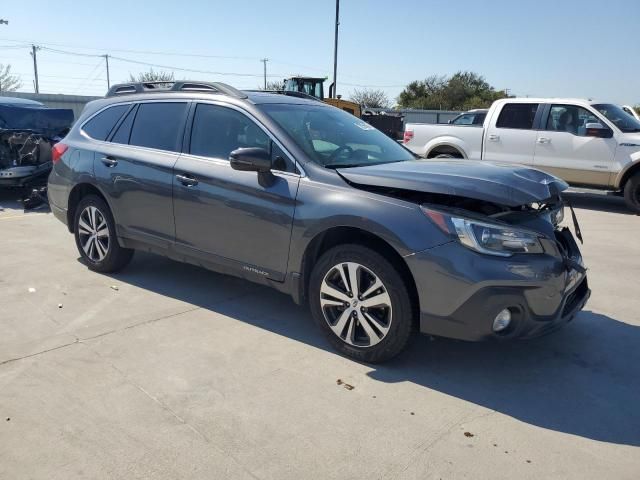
(98, 244)
(444, 155)
(380, 331)
(632, 193)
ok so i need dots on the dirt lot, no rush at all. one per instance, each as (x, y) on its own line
(169, 371)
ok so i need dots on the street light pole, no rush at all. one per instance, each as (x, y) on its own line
(106, 59)
(335, 52)
(34, 49)
(265, 60)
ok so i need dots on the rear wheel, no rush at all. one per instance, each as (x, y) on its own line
(361, 303)
(632, 193)
(95, 234)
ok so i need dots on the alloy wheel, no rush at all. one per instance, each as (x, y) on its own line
(355, 304)
(93, 232)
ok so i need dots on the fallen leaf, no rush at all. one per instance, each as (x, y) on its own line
(468, 434)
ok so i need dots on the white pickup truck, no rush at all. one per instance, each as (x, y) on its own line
(586, 143)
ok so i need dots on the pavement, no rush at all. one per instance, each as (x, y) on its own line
(168, 371)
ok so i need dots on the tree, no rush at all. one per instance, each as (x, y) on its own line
(8, 81)
(272, 85)
(370, 98)
(637, 109)
(461, 91)
(152, 76)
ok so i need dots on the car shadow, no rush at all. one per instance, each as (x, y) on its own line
(599, 202)
(581, 380)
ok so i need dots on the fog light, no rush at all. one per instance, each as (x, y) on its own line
(502, 320)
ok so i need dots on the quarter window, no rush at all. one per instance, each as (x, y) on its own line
(101, 125)
(517, 115)
(124, 129)
(571, 119)
(217, 131)
(159, 125)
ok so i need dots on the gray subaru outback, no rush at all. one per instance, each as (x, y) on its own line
(292, 193)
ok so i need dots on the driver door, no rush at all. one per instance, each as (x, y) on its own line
(225, 215)
(564, 149)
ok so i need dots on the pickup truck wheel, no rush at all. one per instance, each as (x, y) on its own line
(632, 193)
(361, 303)
(444, 155)
(95, 234)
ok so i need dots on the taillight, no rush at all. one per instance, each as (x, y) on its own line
(57, 151)
(408, 135)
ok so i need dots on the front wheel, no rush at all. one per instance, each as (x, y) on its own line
(95, 234)
(632, 193)
(361, 303)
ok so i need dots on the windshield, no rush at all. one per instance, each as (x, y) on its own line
(619, 117)
(335, 139)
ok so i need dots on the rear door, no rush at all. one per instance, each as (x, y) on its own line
(225, 215)
(564, 149)
(135, 169)
(511, 135)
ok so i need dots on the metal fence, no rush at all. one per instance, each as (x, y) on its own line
(413, 115)
(54, 100)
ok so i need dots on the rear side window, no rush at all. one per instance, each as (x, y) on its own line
(99, 126)
(159, 125)
(517, 115)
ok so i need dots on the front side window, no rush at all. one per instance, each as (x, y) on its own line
(217, 131)
(159, 125)
(334, 138)
(571, 119)
(618, 117)
(517, 115)
(101, 125)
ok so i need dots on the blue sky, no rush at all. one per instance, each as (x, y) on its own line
(586, 48)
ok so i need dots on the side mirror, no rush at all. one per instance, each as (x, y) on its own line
(252, 159)
(596, 129)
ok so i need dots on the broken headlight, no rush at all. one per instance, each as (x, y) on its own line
(483, 237)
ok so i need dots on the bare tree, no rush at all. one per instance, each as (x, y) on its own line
(273, 85)
(8, 81)
(370, 98)
(152, 76)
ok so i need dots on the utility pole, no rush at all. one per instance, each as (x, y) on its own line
(34, 49)
(335, 52)
(265, 60)
(106, 59)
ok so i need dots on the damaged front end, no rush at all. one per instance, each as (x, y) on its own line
(511, 268)
(28, 131)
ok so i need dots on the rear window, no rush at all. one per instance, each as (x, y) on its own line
(517, 115)
(99, 126)
(159, 125)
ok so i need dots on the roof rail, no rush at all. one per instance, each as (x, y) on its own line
(174, 86)
(289, 93)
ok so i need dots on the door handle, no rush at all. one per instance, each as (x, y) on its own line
(544, 140)
(186, 180)
(494, 138)
(109, 161)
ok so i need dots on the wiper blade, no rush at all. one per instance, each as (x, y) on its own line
(342, 165)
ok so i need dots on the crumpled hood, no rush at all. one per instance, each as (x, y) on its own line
(508, 185)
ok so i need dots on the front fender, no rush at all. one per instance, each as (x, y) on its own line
(320, 208)
(629, 169)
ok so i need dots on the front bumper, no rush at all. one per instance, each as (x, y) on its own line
(462, 291)
(24, 176)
